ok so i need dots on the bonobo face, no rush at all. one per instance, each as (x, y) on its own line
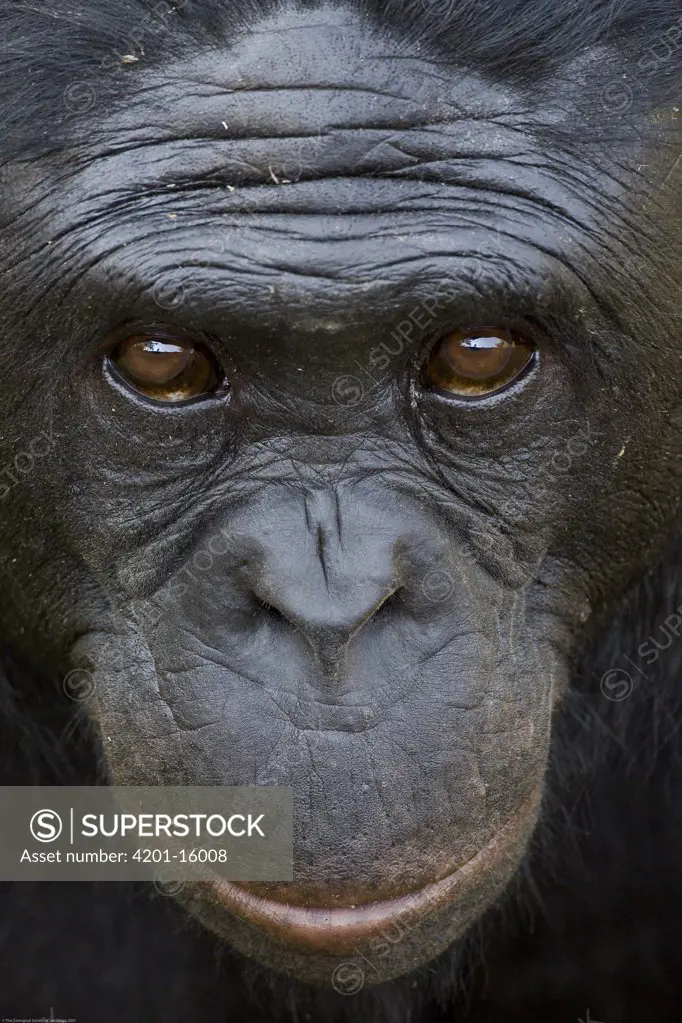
(362, 383)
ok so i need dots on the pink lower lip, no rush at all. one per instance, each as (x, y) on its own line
(339, 929)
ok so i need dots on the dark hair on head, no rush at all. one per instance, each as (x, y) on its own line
(54, 54)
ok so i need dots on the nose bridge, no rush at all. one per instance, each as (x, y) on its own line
(335, 572)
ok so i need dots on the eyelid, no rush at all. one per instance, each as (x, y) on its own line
(138, 328)
(138, 390)
(527, 327)
(145, 403)
(421, 389)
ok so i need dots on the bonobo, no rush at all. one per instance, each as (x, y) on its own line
(340, 443)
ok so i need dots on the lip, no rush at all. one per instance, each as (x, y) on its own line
(339, 929)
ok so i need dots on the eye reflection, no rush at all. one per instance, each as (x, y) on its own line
(478, 361)
(166, 368)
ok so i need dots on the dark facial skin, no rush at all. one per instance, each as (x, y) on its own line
(329, 575)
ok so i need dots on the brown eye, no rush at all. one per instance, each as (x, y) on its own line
(166, 368)
(479, 361)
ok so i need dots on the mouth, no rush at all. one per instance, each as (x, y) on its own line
(340, 929)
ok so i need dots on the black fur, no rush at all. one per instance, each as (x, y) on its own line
(48, 46)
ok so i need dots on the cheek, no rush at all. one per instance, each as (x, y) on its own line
(621, 506)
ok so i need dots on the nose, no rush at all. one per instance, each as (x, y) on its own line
(327, 578)
(330, 624)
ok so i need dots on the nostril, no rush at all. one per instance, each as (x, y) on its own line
(386, 606)
(265, 610)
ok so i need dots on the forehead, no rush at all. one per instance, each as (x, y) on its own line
(303, 94)
(318, 176)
